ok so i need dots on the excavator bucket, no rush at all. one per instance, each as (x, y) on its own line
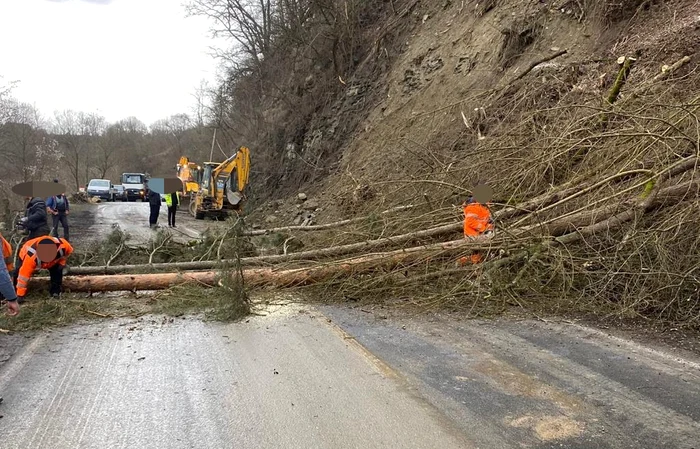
(232, 195)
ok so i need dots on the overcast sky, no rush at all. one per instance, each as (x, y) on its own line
(118, 58)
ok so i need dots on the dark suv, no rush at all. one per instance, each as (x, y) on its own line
(119, 193)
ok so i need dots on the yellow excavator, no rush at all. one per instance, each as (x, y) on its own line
(220, 186)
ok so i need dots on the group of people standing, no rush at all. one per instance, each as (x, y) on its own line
(35, 219)
(172, 200)
(42, 247)
(39, 249)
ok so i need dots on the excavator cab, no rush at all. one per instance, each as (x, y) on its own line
(207, 175)
(190, 175)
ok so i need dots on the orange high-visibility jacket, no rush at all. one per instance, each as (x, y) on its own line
(476, 219)
(28, 256)
(7, 254)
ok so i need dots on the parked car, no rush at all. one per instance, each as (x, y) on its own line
(101, 188)
(120, 193)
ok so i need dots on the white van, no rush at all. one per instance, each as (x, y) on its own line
(101, 188)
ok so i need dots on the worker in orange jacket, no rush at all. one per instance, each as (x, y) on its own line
(49, 253)
(7, 254)
(6, 289)
(477, 222)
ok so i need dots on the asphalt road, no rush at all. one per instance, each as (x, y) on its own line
(342, 378)
(540, 385)
(285, 381)
(132, 218)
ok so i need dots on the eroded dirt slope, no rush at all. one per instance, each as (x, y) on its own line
(457, 63)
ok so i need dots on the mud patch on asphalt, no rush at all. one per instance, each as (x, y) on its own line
(514, 381)
(549, 428)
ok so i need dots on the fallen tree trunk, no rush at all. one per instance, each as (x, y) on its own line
(258, 260)
(556, 228)
(128, 282)
(568, 223)
(540, 201)
(363, 264)
(673, 68)
(321, 227)
(534, 204)
(270, 276)
(508, 212)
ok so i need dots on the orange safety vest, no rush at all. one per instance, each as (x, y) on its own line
(28, 256)
(476, 219)
(7, 254)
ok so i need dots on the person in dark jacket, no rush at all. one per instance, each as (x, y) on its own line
(59, 208)
(155, 202)
(35, 221)
(172, 200)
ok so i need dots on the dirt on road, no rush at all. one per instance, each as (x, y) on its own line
(526, 383)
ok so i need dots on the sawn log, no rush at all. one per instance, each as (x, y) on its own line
(266, 276)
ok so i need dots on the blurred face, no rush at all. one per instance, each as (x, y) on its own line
(483, 193)
(47, 252)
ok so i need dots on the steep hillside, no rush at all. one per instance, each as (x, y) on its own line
(589, 107)
(466, 56)
(431, 63)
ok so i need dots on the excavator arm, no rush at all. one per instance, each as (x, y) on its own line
(240, 163)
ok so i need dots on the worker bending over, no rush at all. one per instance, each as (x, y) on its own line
(48, 253)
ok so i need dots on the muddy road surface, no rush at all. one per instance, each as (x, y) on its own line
(93, 222)
(337, 378)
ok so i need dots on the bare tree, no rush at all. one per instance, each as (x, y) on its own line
(134, 155)
(134, 126)
(67, 127)
(7, 103)
(47, 157)
(248, 22)
(92, 126)
(201, 111)
(19, 137)
(113, 144)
